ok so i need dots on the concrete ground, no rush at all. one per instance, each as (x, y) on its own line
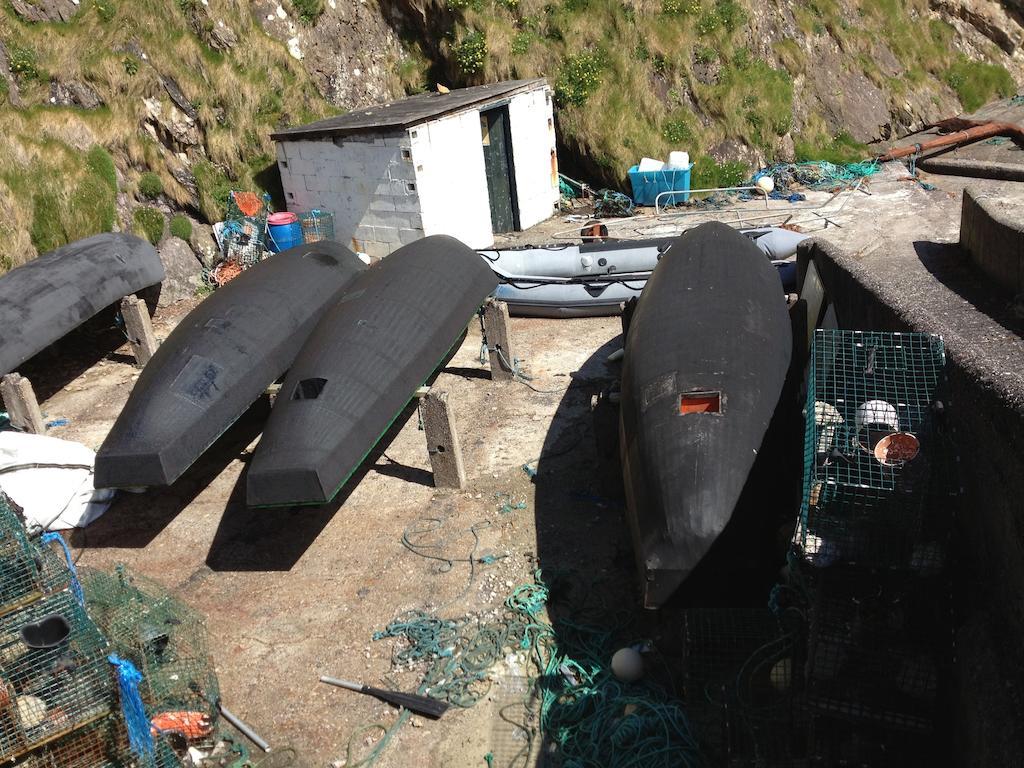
(291, 595)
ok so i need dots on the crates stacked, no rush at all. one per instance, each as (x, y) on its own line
(59, 697)
(162, 637)
(869, 555)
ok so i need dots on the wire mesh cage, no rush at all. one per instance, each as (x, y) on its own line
(245, 228)
(164, 639)
(54, 674)
(743, 678)
(316, 225)
(102, 744)
(877, 452)
(877, 651)
(866, 387)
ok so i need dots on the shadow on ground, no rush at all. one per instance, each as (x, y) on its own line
(134, 520)
(276, 538)
(949, 264)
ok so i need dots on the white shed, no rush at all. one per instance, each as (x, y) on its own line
(467, 163)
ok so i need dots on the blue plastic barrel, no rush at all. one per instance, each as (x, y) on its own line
(647, 185)
(284, 231)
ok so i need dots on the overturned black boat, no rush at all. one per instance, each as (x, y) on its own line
(387, 334)
(706, 359)
(48, 297)
(218, 361)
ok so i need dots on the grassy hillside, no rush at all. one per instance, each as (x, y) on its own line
(637, 77)
(57, 175)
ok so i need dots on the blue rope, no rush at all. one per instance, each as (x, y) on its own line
(140, 738)
(76, 585)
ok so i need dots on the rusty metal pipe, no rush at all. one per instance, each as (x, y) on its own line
(975, 132)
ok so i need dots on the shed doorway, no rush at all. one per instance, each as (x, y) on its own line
(500, 169)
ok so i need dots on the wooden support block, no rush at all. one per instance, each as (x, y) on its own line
(442, 441)
(627, 308)
(139, 328)
(22, 406)
(497, 328)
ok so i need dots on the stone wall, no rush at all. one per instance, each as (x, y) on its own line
(992, 235)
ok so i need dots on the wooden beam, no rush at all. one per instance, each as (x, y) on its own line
(497, 329)
(442, 441)
(139, 328)
(22, 406)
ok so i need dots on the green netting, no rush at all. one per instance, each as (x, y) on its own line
(245, 228)
(161, 636)
(52, 691)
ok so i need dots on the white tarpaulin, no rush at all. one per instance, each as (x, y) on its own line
(51, 480)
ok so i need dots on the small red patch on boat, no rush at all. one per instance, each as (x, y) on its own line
(700, 402)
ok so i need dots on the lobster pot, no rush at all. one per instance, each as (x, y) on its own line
(161, 636)
(743, 684)
(103, 744)
(27, 572)
(317, 225)
(54, 674)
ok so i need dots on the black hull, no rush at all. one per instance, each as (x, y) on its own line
(711, 323)
(218, 361)
(360, 367)
(50, 296)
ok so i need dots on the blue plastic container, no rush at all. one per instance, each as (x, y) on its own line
(649, 184)
(285, 233)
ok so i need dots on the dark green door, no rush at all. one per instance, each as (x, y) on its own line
(494, 130)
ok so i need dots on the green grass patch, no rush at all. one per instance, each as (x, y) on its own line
(977, 83)
(578, 79)
(100, 163)
(23, 62)
(708, 174)
(791, 56)
(214, 188)
(839, 149)
(150, 185)
(181, 227)
(470, 53)
(47, 230)
(148, 223)
(308, 11)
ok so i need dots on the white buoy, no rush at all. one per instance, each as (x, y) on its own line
(628, 665)
(766, 184)
(781, 674)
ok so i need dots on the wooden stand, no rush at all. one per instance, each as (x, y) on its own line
(22, 406)
(442, 440)
(497, 329)
(139, 328)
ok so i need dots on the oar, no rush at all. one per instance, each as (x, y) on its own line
(421, 704)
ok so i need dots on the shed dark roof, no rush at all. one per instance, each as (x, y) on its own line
(408, 112)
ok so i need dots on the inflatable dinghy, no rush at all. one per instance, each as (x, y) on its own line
(218, 361)
(52, 295)
(593, 279)
(706, 359)
(386, 335)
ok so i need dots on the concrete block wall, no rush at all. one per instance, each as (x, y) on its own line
(367, 181)
(533, 150)
(992, 234)
(448, 157)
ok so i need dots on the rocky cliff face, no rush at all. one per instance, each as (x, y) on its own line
(191, 89)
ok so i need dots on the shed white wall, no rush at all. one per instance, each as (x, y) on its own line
(532, 126)
(365, 181)
(448, 158)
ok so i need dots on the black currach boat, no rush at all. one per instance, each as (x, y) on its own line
(387, 334)
(706, 359)
(48, 297)
(218, 361)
